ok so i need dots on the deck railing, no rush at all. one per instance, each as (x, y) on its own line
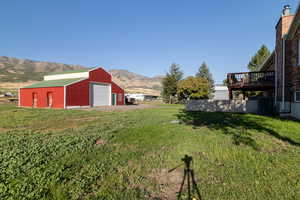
(251, 78)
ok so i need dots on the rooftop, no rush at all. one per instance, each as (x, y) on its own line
(54, 83)
(71, 71)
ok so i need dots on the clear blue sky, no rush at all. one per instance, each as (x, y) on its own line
(139, 35)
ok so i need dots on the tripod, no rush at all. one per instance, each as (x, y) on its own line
(190, 178)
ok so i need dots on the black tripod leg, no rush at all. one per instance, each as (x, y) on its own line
(195, 185)
(189, 184)
(181, 187)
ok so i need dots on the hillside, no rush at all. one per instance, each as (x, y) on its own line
(24, 70)
(15, 73)
(136, 83)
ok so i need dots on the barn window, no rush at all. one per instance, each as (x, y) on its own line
(120, 97)
(49, 99)
(34, 99)
(297, 96)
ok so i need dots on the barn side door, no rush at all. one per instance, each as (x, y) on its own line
(34, 99)
(113, 99)
(49, 99)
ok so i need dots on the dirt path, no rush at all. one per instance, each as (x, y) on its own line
(122, 108)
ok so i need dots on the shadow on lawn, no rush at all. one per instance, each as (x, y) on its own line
(233, 124)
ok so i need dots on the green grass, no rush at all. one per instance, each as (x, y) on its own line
(73, 154)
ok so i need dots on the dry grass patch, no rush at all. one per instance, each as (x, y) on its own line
(167, 184)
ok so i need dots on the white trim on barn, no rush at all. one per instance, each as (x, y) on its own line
(72, 107)
(19, 99)
(66, 76)
(95, 68)
(65, 96)
(109, 95)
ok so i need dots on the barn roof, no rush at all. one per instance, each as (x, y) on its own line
(71, 71)
(54, 83)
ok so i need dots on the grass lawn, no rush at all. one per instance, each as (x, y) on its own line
(76, 154)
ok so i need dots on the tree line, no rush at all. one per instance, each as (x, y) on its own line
(201, 86)
(175, 88)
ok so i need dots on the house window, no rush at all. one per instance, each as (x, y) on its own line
(120, 97)
(297, 96)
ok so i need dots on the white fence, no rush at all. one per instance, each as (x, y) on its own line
(239, 106)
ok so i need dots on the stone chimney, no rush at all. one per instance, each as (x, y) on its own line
(282, 29)
(284, 23)
(286, 10)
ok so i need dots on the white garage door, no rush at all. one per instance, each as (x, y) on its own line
(100, 95)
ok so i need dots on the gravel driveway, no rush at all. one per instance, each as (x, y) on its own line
(121, 108)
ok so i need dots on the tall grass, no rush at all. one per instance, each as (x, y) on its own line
(73, 154)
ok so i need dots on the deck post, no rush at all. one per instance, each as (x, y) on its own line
(244, 94)
(230, 94)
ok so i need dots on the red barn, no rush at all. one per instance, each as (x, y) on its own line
(84, 88)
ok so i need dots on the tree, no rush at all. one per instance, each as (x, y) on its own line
(169, 83)
(204, 72)
(193, 88)
(259, 58)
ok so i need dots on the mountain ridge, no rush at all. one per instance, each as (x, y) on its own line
(25, 71)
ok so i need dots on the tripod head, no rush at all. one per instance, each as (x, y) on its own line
(187, 161)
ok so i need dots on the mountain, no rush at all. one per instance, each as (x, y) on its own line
(23, 70)
(136, 83)
(16, 73)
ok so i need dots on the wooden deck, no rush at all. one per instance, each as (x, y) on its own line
(251, 81)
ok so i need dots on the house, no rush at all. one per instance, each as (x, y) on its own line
(221, 92)
(279, 76)
(73, 89)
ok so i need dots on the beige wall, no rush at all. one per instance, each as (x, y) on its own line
(239, 106)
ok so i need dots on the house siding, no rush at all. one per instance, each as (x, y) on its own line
(292, 70)
(292, 59)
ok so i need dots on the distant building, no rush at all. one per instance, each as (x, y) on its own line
(221, 92)
(8, 94)
(141, 97)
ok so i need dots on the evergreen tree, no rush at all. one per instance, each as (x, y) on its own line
(204, 72)
(169, 83)
(259, 58)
